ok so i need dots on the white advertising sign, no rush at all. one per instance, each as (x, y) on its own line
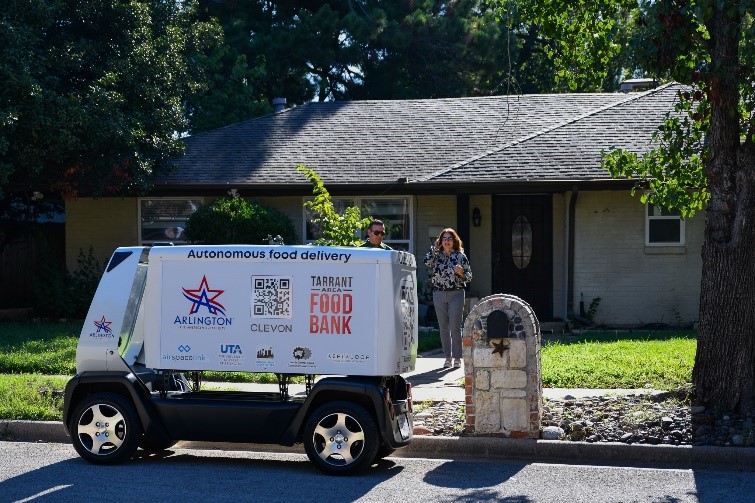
(286, 309)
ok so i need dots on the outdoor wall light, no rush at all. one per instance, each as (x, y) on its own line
(476, 217)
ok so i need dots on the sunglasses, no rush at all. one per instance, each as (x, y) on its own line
(379, 233)
(447, 238)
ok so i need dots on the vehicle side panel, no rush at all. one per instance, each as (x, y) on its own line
(224, 417)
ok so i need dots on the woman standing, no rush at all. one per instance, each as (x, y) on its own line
(449, 274)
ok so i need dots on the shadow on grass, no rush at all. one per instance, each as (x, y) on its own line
(619, 335)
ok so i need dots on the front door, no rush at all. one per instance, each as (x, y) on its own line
(523, 251)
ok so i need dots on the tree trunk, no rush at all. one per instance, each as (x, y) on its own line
(724, 372)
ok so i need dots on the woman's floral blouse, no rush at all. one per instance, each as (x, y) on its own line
(442, 275)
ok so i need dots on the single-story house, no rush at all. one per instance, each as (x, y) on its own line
(519, 177)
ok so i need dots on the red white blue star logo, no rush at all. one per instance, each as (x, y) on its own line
(204, 296)
(103, 325)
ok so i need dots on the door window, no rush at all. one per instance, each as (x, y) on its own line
(521, 242)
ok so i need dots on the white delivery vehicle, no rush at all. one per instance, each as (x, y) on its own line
(162, 315)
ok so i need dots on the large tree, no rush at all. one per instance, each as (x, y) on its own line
(368, 49)
(705, 156)
(93, 91)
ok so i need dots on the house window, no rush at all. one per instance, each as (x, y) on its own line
(395, 212)
(164, 220)
(663, 226)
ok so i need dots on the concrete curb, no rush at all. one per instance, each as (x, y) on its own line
(543, 451)
(33, 431)
(559, 451)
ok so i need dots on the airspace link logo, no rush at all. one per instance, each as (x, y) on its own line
(184, 356)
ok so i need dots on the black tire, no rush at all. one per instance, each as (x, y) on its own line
(105, 429)
(341, 438)
(150, 445)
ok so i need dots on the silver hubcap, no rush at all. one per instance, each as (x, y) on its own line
(101, 429)
(338, 439)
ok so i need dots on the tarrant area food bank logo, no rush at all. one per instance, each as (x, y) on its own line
(203, 299)
(103, 329)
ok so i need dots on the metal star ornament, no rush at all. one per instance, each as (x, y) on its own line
(500, 347)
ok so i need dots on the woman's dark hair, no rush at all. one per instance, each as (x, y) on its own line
(458, 245)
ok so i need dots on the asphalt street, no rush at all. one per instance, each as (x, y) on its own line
(54, 472)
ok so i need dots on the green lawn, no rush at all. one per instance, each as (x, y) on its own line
(659, 360)
(36, 360)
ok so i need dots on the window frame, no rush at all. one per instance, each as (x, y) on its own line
(655, 218)
(358, 201)
(186, 200)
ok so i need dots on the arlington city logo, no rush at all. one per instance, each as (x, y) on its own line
(103, 330)
(205, 309)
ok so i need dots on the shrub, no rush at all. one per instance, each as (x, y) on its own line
(337, 229)
(61, 293)
(233, 220)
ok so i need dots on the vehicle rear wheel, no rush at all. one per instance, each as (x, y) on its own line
(105, 428)
(341, 437)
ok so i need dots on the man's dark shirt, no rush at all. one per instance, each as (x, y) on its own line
(368, 244)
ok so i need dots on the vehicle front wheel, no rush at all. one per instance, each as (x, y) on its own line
(341, 437)
(105, 428)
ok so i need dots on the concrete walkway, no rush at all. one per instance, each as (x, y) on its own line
(431, 382)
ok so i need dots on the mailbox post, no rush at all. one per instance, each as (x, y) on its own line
(503, 382)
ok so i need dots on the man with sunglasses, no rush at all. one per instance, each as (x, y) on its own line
(375, 233)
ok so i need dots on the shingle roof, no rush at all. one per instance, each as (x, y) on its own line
(571, 151)
(500, 138)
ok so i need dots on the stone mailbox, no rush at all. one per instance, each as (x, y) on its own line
(501, 349)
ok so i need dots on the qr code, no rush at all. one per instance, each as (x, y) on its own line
(271, 297)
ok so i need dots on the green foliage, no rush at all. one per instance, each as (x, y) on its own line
(93, 92)
(231, 91)
(35, 357)
(337, 229)
(675, 170)
(39, 347)
(438, 49)
(233, 220)
(670, 41)
(372, 49)
(704, 155)
(603, 360)
(61, 293)
(592, 309)
(20, 215)
(32, 397)
(246, 377)
(586, 40)
(429, 339)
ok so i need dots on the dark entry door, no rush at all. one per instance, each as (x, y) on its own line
(523, 251)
